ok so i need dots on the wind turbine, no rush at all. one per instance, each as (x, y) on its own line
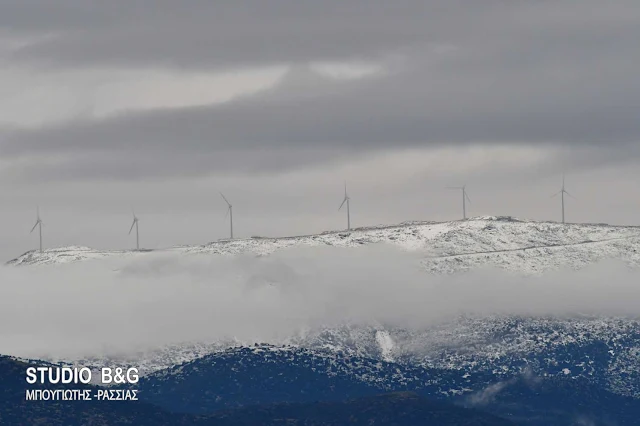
(562, 192)
(38, 224)
(229, 212)
(346, 200)
(465, 198)
(135, 223)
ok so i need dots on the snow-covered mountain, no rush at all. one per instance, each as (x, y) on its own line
(463, 354)
(522, 246)
(265, 374)
(604, 351)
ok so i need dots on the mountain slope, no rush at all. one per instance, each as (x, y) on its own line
(517, 245)
(249, 377)
(603, 350)
(265, 374)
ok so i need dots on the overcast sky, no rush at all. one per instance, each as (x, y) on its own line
(158, 105)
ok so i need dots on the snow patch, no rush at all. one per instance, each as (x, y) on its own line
(386, 345)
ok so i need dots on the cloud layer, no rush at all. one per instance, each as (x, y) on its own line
(113, 307)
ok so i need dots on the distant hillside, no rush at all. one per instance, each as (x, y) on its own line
(516, 245)
(247, 377)
(265, 374)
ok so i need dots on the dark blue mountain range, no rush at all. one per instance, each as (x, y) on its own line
(267, 375)
(390, 409)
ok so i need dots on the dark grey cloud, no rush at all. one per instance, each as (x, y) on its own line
(286, 128)
(494, 72)
(200, 33)
(203, 34)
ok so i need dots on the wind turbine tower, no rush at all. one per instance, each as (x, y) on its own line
(230, 213)
(39, 225)
(135, 223)
(346, 200)
(562, 192)
(465, 198)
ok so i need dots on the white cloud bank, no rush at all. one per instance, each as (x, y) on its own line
(126, 305)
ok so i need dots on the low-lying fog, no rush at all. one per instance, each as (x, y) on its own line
(116, 305)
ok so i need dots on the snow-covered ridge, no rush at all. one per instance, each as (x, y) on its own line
(519, 245)
(67, 255)
(605, 350)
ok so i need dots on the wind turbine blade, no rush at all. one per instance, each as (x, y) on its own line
(453, 187)
(34, 226)
(467, 195)
(225, 199)
(567, 192)
(343, 201)
(227, 213)
(132, 224)
(556, 194)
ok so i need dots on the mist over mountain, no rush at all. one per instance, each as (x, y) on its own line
(132, 302)
(460, 311)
